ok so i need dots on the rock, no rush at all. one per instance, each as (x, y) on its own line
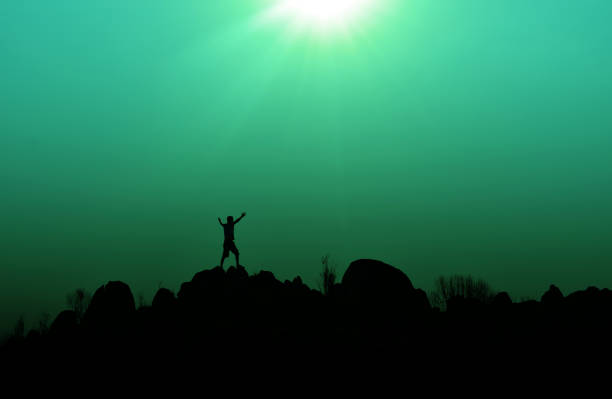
(368, 274)
(501, 300)
(205, 286)
(237, 273)
(552, 297)
(266, 277)
(265, 287)
(164, 300)
(209, 280)
(590, 308)
(112, 305)
(421, 299)
(591, 300)
(377, 285)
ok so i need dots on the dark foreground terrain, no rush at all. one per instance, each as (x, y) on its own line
(374, 318)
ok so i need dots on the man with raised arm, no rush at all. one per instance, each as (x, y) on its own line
(228, 242)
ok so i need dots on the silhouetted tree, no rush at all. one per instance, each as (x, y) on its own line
(141, 300)
(19, 329)
(446, 288)
(17, 335)
(327, 277)
(43, 323)
(78, 301)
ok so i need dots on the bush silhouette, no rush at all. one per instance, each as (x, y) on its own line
(327, 277)
(78, 300)
(43, 323)
(19, 329)
(460, 286)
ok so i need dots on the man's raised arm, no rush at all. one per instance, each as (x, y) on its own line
(241, 216)
(220, 222)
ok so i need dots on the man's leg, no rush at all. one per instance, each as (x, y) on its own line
(236, 254)
(223, 256)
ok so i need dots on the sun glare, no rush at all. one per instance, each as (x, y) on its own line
(320, 16)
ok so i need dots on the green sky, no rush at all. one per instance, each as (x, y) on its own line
(440, 136)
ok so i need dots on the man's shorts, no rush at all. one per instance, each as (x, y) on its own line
(229, 246)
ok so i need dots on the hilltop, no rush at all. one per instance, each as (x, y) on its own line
(374, 312)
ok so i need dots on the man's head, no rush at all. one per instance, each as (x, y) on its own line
(230, 219)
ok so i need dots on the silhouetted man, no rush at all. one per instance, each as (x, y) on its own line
(228, 242)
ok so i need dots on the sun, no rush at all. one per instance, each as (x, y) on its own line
(320, 16)
(323, 12)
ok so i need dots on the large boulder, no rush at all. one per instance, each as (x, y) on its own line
(112, 305)
(501, 301)
(296, 287)
(265, 283)
(164, 300)
(592, 302)
(215, 297)
(265, 293)
(377, 286)
(205, 288)
(553, 297)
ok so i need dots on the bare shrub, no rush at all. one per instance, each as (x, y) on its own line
(462, 286)
(44, 322)
(78, 302)
(327, 277)
(19, 329)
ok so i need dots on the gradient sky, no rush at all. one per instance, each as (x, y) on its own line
(439, 136)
